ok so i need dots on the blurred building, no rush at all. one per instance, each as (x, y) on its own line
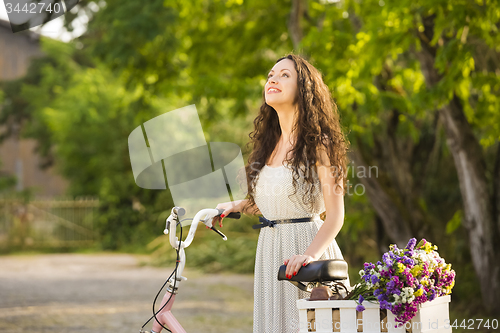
(17, 156)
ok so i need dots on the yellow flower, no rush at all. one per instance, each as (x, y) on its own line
(415, 270)
(428, 247)
(419, 292)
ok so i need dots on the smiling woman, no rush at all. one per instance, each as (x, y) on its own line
(294, 174)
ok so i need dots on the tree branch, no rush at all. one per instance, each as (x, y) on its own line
(294, 23)
(394, 224)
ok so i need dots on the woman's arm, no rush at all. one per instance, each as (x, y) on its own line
(334, 205)
(235, 206)
(252, 210)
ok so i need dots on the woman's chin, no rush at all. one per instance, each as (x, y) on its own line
(272, 102)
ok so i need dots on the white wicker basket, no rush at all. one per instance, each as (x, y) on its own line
(341, 316)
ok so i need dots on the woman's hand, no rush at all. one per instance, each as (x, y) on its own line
(295, 263)
(229, 207)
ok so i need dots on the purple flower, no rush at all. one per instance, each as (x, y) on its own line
(387, 259)
(360, 308)
(408, 261)
(391, 285)
(411, 244)
(385, 305)
(432, 295)
(369, 265)
(361, 299)
(374, 279)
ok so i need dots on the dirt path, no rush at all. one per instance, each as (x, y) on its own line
(94, 293)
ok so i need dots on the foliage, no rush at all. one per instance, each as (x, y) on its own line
(139, 60)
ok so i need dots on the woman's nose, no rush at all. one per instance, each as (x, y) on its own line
(272, 79)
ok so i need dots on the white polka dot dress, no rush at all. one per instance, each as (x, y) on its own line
(275, 308)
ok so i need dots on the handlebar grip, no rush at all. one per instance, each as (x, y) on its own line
(179, 211)
(234, 215)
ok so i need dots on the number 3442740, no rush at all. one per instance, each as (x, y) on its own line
(472, 324)
(34, 8)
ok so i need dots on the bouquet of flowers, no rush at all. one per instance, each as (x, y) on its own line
(404, 279)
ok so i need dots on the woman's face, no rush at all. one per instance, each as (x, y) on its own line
(281, 85)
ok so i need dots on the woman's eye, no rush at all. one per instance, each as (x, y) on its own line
(271, 75)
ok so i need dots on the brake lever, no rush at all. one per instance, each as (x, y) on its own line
(220, 233)
(212, 227)
(234, 215)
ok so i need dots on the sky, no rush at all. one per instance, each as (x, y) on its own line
(54, 28)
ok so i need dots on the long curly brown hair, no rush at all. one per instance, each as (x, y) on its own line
(317, 127)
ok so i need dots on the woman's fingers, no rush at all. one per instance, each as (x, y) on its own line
(291, 267)
(228, 207)
(307, 261)
(218, 220)
(294, 264)
(296, 267)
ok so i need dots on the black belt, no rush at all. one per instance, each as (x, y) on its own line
(268, 223)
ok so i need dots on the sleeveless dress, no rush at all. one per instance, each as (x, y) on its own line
(275, 309)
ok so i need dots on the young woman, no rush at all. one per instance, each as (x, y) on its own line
(294, 174)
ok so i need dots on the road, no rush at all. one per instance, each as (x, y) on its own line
(89, 293)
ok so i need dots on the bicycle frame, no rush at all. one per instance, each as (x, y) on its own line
(164, 316)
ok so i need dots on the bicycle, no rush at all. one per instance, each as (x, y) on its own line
(164, 315)
(316, 274)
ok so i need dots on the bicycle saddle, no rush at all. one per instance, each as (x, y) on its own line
(317, 271)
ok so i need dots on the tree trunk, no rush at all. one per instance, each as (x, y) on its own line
(479, 211)
(388, 211)
(479, 218)
(294, 24)
(496, 188)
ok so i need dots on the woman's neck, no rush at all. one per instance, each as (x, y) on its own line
(287, 119)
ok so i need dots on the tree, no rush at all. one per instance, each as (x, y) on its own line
(394, 44)
(416, 82)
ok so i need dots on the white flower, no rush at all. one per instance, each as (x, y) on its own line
(407, 291)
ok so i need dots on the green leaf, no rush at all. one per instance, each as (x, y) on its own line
(454, 222)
